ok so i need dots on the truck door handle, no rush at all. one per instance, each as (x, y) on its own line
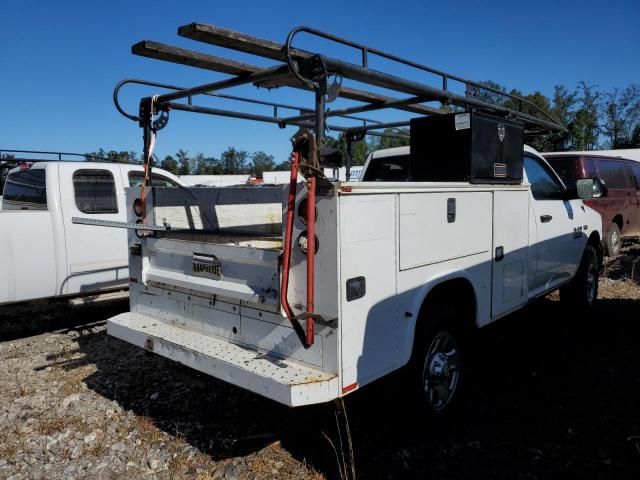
(545, 218)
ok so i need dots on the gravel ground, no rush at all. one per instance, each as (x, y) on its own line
(551, 396)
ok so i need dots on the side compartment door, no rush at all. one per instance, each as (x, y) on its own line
(556, 222)
(510, 250)
(370, 324)
(97, 256)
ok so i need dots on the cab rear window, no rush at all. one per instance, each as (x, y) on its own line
(25, 190)
(137, 178)
(388, 169)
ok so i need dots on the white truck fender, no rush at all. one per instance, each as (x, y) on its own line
(419, 296)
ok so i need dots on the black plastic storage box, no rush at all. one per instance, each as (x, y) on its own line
(466, 147)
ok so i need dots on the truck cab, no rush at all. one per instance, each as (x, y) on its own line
(46, 255)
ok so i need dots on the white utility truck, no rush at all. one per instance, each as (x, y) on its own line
(437, 239)
(44, 254)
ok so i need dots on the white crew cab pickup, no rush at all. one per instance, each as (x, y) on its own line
(403, 271)
(44, 254)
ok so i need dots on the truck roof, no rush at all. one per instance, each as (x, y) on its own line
(93, 165)
(389, 152)
(626, 153)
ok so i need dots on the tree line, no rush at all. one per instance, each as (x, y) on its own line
(231, 161)
(593, 118)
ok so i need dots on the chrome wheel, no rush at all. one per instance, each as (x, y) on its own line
(615, 241)
(441, 371)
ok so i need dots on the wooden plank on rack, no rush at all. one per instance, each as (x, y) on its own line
(224, 37)
(169, 53)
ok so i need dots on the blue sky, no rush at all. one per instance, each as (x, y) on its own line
(59, 61)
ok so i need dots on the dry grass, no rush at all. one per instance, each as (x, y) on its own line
(99, 447)
(51, 426)
(7, 446)
(147, 429)
(70, 380)
(22, 386)
(263, 465)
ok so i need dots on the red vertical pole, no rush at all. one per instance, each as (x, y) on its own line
(286, 259)
(311, 253)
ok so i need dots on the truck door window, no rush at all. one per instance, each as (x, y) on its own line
(95, 191)
(544, 185)
(136, 179)
(565, 167)
(25, 190)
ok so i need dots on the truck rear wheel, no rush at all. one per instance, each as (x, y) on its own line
(582, 291)
(437, 364)
(613, 241)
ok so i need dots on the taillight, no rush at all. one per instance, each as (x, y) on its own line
(303, 242)
(302, 211)
(140, 233)
(137, 207)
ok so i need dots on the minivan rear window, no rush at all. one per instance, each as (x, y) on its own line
(25, 190)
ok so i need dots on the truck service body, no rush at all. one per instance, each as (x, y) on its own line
(382, 248)
(435, 240)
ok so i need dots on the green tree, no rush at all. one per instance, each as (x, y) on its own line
(494, 96)
(359, 150)
(212, 166)
(563, 109)
(620, 116)
(396, 138)
(234, 161)
(184, 162)
(261, 162)
(112, 156)
(585, 127)
(170, 165)
(634, 141)
(284, 165)
(200, 164)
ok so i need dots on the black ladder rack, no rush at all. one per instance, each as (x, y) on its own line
(295, 68)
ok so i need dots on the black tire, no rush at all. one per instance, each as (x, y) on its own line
(613, 241)
(582, 291)
(437, 365)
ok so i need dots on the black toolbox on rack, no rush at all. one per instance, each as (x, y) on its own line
(466, 147)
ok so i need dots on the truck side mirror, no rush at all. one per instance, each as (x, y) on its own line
(591, 188)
